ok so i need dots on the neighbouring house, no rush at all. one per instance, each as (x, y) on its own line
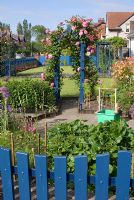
(131, 44)
(121, 24)
(101, 28)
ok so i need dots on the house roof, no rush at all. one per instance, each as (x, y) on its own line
(116, 19)
(7, 33)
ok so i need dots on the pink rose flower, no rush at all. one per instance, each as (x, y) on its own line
(52, 85)
(81, 32)
(91, 38)
(42, 76)
(50, 56)
(77, 43)
(88, 48)
(73, 19)
(85, 32)
(78, 69)
(85, 24)
(74, 28)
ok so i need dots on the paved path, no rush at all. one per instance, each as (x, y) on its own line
(69, 112)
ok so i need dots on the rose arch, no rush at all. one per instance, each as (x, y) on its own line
(78, 35)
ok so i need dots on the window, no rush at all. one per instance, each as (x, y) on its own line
(127, 28)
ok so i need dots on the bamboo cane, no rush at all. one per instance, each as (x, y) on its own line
(39, 143)
(45, 137)
(12, 149)
(33, 155)
(12, 153)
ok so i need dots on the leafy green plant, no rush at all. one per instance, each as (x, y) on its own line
(30, 94)
(71, 139)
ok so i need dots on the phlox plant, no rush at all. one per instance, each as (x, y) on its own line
(4, 108)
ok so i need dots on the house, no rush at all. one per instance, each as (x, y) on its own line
(121, 24)
(131, 44)
(101, 28)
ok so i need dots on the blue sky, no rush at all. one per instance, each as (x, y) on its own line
(50, 12)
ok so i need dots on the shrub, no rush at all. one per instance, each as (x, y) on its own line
(122, 71)
(125, 97)
(30, 94)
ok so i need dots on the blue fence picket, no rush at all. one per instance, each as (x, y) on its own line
(123, 175)
(41, 177)
(102, 177)
(60, 178)
(23, 176)
(80, 177)
(5, 170)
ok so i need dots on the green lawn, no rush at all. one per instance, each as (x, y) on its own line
(66, 70)
(34, 70)
(69, 88)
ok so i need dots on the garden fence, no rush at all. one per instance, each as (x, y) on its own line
(122, 182)
(12, 66)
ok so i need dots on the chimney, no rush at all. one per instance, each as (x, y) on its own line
(101, 20)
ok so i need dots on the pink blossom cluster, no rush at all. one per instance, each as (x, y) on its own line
(48, 41)
(48, 56)
(42, 76)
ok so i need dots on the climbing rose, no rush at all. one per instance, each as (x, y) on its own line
(85, 24)
(74, 28)
(85, 32)
(42, 76)
(78, 69)
(77, 43)
(52, 84)
(50, 56)
(73, 19)
(81, 32)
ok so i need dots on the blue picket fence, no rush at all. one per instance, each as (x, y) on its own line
(122, 182)
(12, 66)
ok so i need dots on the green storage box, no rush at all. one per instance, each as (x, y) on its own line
(107, 115)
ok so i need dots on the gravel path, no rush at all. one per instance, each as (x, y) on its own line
(69, 112)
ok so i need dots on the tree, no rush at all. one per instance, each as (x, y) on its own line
(117, 44)
(4, 26)
(38, 32)
(19, 29)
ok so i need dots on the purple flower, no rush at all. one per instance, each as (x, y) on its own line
(1, 107)
(9, 108)
(4, 91)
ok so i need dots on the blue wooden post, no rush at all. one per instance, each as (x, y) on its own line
(123, 175)
(5, 171)
(80, 177)
(41, 177)
(82, 65)
(60, 178)
(97, 56)
(102, 177)
(23, 176)
(56, 81)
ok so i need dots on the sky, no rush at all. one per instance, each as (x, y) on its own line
(51, 12)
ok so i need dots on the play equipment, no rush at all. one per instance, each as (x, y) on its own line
(105, 114)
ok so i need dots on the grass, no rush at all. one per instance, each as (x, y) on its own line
(69, 88)
(32, 71)
(66, 70)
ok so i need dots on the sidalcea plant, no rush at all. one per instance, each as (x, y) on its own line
(4, 108)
